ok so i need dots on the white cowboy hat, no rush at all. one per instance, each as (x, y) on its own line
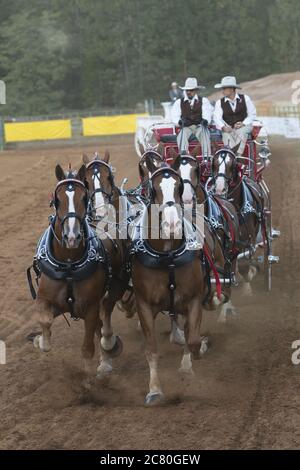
(191, 84)
(227, 82)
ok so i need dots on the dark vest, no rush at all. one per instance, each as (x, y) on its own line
(191, 116)
(240, 113)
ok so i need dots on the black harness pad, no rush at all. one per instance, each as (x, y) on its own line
(78, 270)
(249, 202)
(161, 260)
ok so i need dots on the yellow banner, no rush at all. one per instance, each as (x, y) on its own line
(38, 130)
(109, 125)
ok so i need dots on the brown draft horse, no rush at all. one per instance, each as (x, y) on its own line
(247, 197)
(177, 286)
(104, 212)
(73, 269)
(222, 218)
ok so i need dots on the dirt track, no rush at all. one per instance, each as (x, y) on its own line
(246, 391)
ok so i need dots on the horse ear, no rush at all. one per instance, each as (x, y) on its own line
(106, 156)
(160, 150)
(85, 159)
(196, 151)
(81, 173)
(176, 162)
(142, 173)
(235, 149)
(214, 148)
(173, 154)
(150, 165)
(59, 173)
(142, 149)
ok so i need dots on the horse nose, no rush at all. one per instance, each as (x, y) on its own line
(188, 200)
(72, 241)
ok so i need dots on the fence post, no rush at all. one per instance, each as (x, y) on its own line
(1, 134)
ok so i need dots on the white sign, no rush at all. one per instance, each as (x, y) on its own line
(287, 126)
(2, 92)
(2, 353)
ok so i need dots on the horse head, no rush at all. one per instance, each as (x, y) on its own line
(100, 182)
(188, 168)
(225, 169)
(166, 189)
(70, 201)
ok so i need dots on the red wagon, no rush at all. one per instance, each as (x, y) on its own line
(255, 160)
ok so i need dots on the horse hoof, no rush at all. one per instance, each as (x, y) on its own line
(154, 398)
(186, 372)
(33, 335)
(38, 342)
(116, 349)
(204, 345)
(104, 370)
(177, 337)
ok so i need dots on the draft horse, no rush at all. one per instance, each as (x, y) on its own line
(167, 276)
(73, 271)
(222, 221)
(247, 197)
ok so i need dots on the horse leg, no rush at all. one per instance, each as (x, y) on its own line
(88, 346)
(192, 328)
(227, 308)
(177, 334)
(105, 362)
(186, 365)
(147, 320)
(46, 318)
(110, 343)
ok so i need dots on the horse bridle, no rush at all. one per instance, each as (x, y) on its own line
(223, 153)
(184, 159)
(167, 171)
(110, 178)
(71, 184)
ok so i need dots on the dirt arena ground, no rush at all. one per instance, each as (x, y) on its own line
(245, 393)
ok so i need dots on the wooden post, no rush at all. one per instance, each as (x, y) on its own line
(1, 134)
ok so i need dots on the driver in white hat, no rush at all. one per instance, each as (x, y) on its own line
(234, 114)
(193, 113)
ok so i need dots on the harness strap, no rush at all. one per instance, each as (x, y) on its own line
(172, 286)
(226, 214)
(29, 278)
(30, 283)
(214, 270)
(70, 296)
(205, 265)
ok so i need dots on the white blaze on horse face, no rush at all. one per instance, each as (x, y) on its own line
(99, 199)
(171, 223)
(71, 221)
(186, 174)
(220, 180)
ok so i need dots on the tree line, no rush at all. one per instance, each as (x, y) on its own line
(58, 55)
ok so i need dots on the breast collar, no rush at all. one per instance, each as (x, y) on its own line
(78, 270)
(151, 258)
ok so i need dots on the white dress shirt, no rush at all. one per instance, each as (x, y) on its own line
(218, 111)
(207, 109)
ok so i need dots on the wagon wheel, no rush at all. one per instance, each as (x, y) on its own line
(268, 250)
(267, 236)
